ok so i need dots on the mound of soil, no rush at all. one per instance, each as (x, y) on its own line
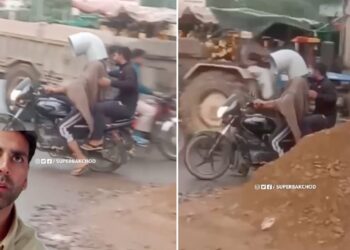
(312, 219)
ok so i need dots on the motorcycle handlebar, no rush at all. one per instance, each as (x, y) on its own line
(250, 104)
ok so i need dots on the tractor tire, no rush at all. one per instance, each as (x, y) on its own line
(346, 108)
(13, 77)
(203, 95)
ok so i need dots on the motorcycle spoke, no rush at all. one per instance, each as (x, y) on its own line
(212, 164)
(215, 153)
(201, 163)
(200, 153)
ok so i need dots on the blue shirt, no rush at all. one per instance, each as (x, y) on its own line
(142, 88)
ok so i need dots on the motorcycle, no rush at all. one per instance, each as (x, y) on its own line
(248, 139)
(49, 110)
(163, 133)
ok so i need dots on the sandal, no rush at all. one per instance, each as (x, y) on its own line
(80, 170)
(89, 147)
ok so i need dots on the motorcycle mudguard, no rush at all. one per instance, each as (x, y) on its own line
(168, 124)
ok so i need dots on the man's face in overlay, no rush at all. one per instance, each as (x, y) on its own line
(14, 166)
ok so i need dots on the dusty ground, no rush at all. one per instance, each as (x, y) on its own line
(116, 220)
(304, 219)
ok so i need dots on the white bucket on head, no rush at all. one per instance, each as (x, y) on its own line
(88, 44)
(290, 62)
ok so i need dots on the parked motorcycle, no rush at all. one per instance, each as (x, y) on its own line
(49, 110)
(247, 140)
(163, 134)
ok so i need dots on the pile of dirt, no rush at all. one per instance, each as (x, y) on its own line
(299, 219)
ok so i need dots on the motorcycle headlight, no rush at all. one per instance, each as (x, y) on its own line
(14, 94)
(221, 111)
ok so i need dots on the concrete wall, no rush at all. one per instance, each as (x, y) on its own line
(46, 47)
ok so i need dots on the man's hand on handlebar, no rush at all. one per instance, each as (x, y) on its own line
(258, 104)
(51, 89)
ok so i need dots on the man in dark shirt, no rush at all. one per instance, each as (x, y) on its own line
(324, 93)
(124, 106)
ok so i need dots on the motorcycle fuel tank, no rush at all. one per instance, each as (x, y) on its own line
(53, 107)
(259, 125)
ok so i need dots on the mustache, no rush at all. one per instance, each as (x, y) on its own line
(5, 180)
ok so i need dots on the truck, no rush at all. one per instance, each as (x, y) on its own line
(41, 52)
(206, 83)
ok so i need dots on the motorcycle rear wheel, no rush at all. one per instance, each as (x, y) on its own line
(166, 143)
(205, 141)
(115, 157)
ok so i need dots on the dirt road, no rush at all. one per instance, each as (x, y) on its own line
(281, 218)
(131, 209)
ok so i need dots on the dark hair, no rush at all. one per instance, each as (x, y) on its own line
(31, 139)
(124, 51)
(138, 53)
(113, 49)
(322, 68)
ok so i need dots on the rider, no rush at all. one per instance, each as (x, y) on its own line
(146, 111)
(293, 104)
(83, 93)
(123, 106)
(324, 93)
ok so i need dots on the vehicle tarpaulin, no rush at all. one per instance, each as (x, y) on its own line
(202, 14)
(296, 8)
(257, 21)
(139, 13)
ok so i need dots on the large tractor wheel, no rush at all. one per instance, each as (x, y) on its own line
(203, 96)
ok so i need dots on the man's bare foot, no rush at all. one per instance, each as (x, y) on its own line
(80, 169)
(95, 143)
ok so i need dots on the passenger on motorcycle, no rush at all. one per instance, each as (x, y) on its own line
(324, 93)
(83, 94)
(121, 107)
(146, 111)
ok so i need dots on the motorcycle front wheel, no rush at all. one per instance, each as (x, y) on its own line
(207, 155)
(10, 123)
